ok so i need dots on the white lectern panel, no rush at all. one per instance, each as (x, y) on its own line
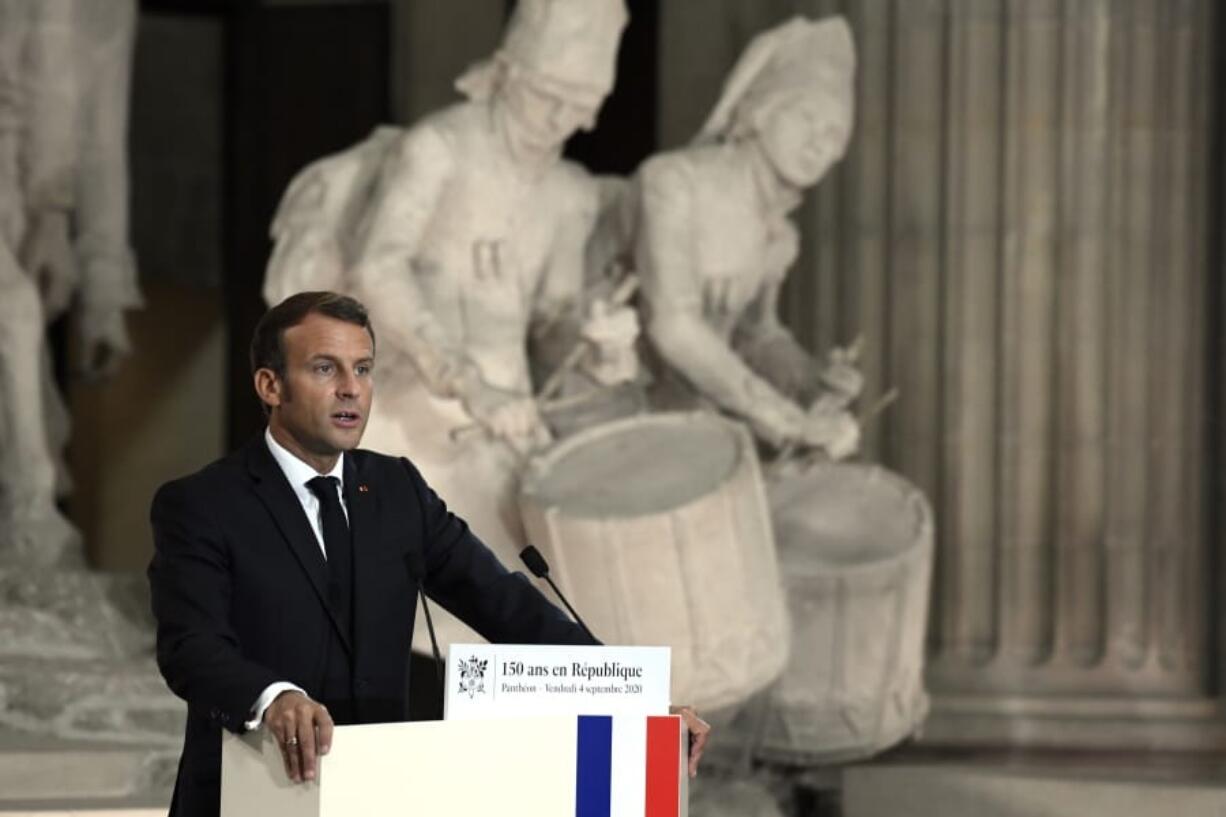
(584, 766)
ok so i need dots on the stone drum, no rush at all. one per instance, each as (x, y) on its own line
(657, 528)
(855, 549)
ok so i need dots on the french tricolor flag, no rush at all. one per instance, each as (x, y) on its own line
(630, 767)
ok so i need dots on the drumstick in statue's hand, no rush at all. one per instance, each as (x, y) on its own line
(620, 297)
(804, 456)
(883, 402)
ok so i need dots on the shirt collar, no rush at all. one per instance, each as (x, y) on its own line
(298, 472)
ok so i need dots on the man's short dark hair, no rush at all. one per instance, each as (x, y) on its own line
(268, 340)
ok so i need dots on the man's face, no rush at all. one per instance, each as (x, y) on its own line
(803, 140)
(323, 402)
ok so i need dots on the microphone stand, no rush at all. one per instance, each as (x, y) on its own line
(540, 568)
(416, 568)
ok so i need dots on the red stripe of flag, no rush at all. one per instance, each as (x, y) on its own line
(663, 767)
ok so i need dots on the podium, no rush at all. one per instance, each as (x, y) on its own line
(554, 766)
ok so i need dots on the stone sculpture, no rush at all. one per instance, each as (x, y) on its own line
(64, 70)
(75, 646)
(661, 525)
(465, 234)
(714, 241)
(855, 549)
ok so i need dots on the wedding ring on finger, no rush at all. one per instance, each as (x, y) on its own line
(292, 740)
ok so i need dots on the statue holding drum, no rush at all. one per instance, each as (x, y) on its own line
(713, 243)
(661, 523)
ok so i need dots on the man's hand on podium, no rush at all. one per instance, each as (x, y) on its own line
(700, 731)
(303, 730)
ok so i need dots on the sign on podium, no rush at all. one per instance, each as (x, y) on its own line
(557, 764)
(521, 680)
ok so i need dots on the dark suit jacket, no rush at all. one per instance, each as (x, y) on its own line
(240, 596)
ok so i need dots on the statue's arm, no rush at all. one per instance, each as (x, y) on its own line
(673, 291)
(13, 29)
(109, 282)
(405, 198)
(561, 292)
(580, 301)
(50, 96)
(767, 347)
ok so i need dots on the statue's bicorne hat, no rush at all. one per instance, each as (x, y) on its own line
(800, 57)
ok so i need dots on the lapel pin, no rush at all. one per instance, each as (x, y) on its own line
(363, 489)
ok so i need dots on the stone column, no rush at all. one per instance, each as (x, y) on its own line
(1019, 232)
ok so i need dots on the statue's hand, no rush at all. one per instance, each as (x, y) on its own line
(841, 375)
(612, 332)
(509, 415)
(779, 422)
(47, 257)
(835, 432)
(104, 342)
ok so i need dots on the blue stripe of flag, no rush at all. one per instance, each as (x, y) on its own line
(593, 769)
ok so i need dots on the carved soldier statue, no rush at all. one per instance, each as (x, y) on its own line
(465, 234)
(714, 241)
(64, 81)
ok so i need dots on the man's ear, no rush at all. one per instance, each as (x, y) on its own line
(268, 387)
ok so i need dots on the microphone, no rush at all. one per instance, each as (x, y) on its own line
(417, 569)
(540, 568)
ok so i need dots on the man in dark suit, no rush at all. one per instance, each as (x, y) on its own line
(283, 578)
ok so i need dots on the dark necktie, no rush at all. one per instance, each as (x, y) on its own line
(339, 547)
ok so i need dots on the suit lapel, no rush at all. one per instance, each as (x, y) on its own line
(278, 497)
(360, 503)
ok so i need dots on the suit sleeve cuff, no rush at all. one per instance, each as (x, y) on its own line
(266, 698)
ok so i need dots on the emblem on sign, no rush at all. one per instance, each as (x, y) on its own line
(472, 676)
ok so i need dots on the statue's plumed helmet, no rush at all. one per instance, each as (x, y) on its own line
(800, 58)
(569, 45)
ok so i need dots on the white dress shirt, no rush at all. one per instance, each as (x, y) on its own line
(299, 474)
